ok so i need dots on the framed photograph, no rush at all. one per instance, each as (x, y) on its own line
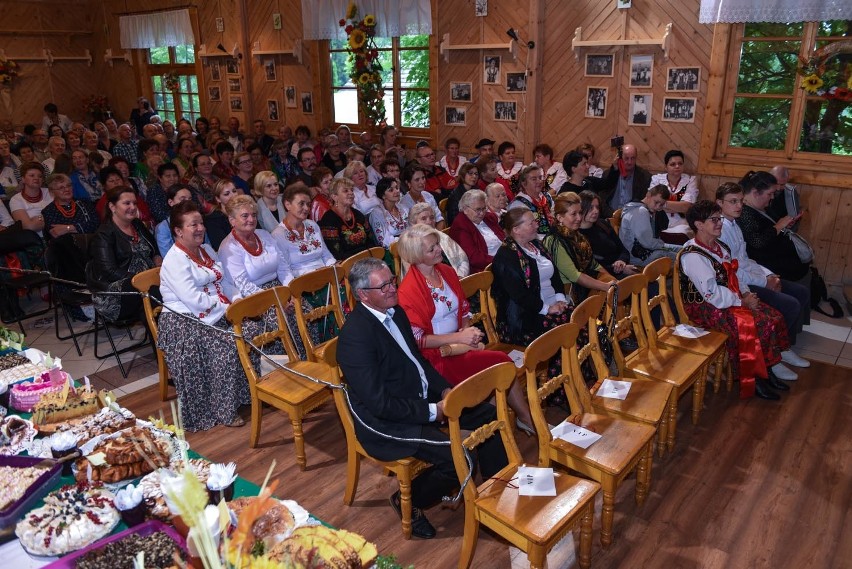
(683, 78)
(232, 66)
(235, 85)
(462, 92)
(455, 116)
(481, 8)
(506, 111)
(641, 71)
(639, 113)
(215, 70)
(272, 110)
(596, 98)
(214, 93)
(269, 70)
(679, 109)
(492, 70)
(236, 103)
(516, 82)
(600, 64)
(307, 103)
(290, 96)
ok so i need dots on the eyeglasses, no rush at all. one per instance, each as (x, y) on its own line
(241, 162)
(715, 219)
(479, 210)
(384, 287)
(735, 201)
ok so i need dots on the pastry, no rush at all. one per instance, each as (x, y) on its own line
(51, 409)
(152, 492)
(159, 549)
(129, 454)
(14, 482)
(104, 422)
(272, 526)
(15, 434)
(319, 546)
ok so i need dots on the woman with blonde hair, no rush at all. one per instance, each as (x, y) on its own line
(267, 192)
(345, 230)
(216, 221)
(365, 194)
(454, 255)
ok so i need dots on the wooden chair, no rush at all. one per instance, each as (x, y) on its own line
(405, 469)
(312, 283)
(442, 205)
(346, 265)
(624, 445)
(534, 524)
(648, 401)
(283, 390)
(712, 344)
(615, 220)
(480, 283)
(143, 282)
(397, 261)
(651, 359)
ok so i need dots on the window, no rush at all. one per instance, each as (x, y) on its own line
(405, 77)
(177, 63)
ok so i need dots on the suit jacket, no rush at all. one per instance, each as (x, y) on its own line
(384, 386)
(641, 184)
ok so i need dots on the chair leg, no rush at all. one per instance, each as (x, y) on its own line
(643, 474)
(672, 419)
(73, 334)
(537, 556)
(662, 433)
(299, 441)
(697, 398)
(718, 368)
(164, 375)
(256, 419)
(729, 371)
(353, 471)
(607, 511)
(405, 501)
(114, 350)
(584, 555)
(470, 536)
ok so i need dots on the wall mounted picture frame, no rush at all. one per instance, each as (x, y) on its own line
(307, 102)
(639, 113)
(214, 94)
(516, 82)
(215, 70)
(506, 111)
(491, 74)
(269, 70)
(290, 96)
(600, 64)
(455, 116)
(679, 109)
(596, 102)
(480, 8)
(272, 113)
(232, 66)
(683, 79)
(236, 104)
(641, 71)
(235, 85)
(461, 91)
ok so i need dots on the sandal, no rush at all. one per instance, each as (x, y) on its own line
(238, 422)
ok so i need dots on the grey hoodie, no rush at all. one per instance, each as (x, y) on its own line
(637, 234)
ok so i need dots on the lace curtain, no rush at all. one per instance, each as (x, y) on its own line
(142, 31)
(320, 19)
(734, 11)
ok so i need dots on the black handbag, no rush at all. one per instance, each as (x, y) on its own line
(606, 331)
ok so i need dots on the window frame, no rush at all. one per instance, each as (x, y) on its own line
(180, 69)
(719, 158)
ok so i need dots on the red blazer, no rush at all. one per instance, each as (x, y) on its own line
(465, 233)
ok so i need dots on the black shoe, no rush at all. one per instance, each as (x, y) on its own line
(761, 389)
(776, 383)
(420, 526)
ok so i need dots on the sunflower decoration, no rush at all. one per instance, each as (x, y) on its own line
(827, 75)
(365, 69)
(9, 70)
(812, 83)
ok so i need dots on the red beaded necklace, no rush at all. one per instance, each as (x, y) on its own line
(35, 199)
(203, 260)
(72, 209)
(253, 251)
(299, 233)
(716, 249)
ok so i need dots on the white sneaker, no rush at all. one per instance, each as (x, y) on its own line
(783, 372)
(794, 359)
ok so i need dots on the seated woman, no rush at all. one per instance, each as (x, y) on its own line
(83, 179)
(345, 230)
(26, 205)
(216, 222)
(203, 181)
(244, 172)
(365, 194)
(183, 158)
(477, 230)
(115, 176)
(526, 287)
(607, 248)
(320, 189)
(414, 178)
(267, 192)
(389, 220)
(66, 215)
(576, 167)
(178, 193)
(468, 179)
(298, 237)
(121, 248)
(683, 192)
(572, 253)
(333, 157)
(453, 255)
(193, 333)
(532, 197)
(713, 298)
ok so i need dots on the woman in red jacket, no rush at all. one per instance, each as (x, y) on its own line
(477, 230)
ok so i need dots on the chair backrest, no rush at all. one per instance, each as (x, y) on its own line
(397, 262)
(658, 271)
(585, 315)
(631, 320)
(312, 283)
(477, 388)
(442, 205)
(615, 220)
(480, 284)
(329, 356)
(143, 282)
(682, 316)
(253, 307)
(490, 304)
(346, 266)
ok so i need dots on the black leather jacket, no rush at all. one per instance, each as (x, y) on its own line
(110, 254)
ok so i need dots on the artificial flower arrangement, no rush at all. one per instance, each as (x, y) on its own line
(96, 104)
(365, 70)
(815, 73)
(9, 70)
(171, 81)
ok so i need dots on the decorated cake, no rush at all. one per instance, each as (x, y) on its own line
(54, 408)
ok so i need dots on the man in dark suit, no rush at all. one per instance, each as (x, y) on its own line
(625, 182)
(397, 392)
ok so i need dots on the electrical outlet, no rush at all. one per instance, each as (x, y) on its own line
(220, 25)
(276, 21)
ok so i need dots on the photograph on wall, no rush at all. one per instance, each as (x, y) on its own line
(516, 82)
(481, 8)
(232, 66)
(236, 103)
(290, 96)
(641, 70)
(215, 71)
(272, 110)
(492, 69)
(600, 64)
(683, 79)
(455, 116)
(596, 102)
(307, 103)
(269, 70)
(462, 92)
(235, 85)
(214, 93)
(679, 109)
(639, 113)
(506, 111)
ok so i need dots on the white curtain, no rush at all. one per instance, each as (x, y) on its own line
(170, 28)
(733, 11)
(321, 18)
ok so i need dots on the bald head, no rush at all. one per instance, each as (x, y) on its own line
(782, 174)
(628, 156)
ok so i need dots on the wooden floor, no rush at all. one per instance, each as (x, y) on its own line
(756, 484)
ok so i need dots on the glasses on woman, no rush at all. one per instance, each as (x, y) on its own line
(716, 219)
(384, 287)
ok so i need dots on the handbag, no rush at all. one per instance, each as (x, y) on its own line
(803, 249)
